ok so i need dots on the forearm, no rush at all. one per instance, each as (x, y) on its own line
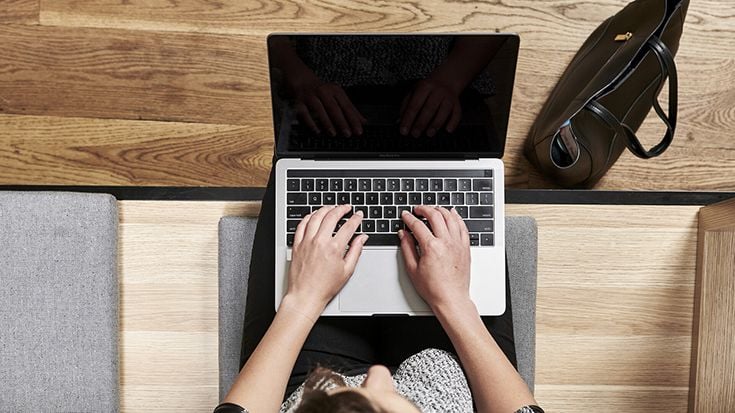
(496, 385)
(261, 384)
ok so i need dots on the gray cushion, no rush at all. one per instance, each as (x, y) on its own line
(235, 245)
(58, 302)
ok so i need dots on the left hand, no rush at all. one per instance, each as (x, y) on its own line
(319, 266)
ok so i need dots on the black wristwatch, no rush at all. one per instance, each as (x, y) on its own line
(230, 408)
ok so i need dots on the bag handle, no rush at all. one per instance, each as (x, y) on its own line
(668, 68)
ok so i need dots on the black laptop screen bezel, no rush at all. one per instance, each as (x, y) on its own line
(512, 44)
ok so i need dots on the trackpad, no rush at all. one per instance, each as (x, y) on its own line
(380, 285)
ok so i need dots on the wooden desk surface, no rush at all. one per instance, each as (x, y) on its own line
(614, 310)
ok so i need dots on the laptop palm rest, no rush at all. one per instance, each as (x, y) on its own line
(381, 286)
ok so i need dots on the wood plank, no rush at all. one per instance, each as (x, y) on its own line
(19, 11)
(544, 24)
(78, 151)
(712, 378)
(613, 330)
(133, 75)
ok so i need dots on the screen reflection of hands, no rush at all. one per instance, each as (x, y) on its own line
(323, 106)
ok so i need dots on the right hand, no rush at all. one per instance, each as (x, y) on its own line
(440, 272)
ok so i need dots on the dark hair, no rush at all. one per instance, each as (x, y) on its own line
(316, 400)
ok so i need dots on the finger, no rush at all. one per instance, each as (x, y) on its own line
(354, 117)
(408, 249)
(316, 221)
(427, 113)
(303, 113)
(438, 226)
(334, 111)
(465, 233)
(412, 109)
(455, 118)
(316, 107)
(353, 254)
(348, 229)
(452, 226)
(442, 114)
(419, 229)
(329, 223)
(300, 230)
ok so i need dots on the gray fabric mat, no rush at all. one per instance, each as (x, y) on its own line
(235, 246)
(58, 302)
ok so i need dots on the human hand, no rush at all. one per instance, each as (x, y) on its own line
(440, 271)
(330, 105)
(432, 105)
(319, 265)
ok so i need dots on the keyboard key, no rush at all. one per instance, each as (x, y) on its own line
(362, 208)
(406, 185)
(378, 184)
(422, 185)
(335, 185)
(386, 198)
(395, 225)
(481, 212)
(479, 225)
(389, 212)
(339, 225)
(482, 185)
(296, 199)
(429, 198)
(350, 185)
(343, 198)
(376, 212)
(474, 239)
(383, 225)
(450, 184)
(372, 198)
(315, 198)
(443, 198)
(462, 211)
(400, 209)
(457, 198)
(414, 198)
(400, 198)
(307, 184)
(358, 198)
(315, 208)
(322, 185)
(289, 240)
(383, 239)
(394, 185)
(486, 239)
(472, 198)
(297, 211)
(368, 225)
(329, 198)
(486, 198)
(436, 185)
(293, 185)
(291, 225)
(465, 185)
(364, 185)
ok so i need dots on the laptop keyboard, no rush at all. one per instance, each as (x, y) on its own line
(382, 195)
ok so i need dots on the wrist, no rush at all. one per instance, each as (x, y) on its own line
(309, 307)
(454, 308)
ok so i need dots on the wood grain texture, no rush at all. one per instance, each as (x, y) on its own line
(19, 11)
(614, 328)
(712, 379)
(79, 151)
(133, 75)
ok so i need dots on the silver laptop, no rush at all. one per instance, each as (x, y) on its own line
(386, 122)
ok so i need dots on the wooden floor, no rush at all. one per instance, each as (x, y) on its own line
(156, 92)
(614, 310)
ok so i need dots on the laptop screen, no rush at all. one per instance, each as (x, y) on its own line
(392, 95)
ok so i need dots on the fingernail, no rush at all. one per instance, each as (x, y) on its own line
(416, 133)
(430, 132)
(400, 233)
(365, 237)
(359, 213)
(332, 132)
(346, 132)
(404, 212)
(404, 130)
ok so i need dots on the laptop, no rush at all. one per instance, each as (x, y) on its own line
(386, 122)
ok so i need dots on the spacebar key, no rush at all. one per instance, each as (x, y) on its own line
(383, 239)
